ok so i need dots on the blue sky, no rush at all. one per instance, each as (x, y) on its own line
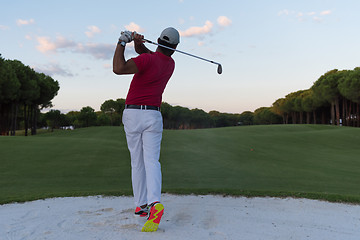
(267, 48)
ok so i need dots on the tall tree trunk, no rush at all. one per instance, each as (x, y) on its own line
(31, 111)
(26, 122)
(2, 119)
(5, 110)
(357, 115)
(337, 111)
(314, 116)
(344, 111)
(332, 113)
(16, 116)
(294, 117)
(349, 113)
(34, 119)
(323, 117)
(307, 117)
(301, 117)
(12, 120)
(353, 115)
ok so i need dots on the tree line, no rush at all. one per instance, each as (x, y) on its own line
(23, 93)
(333, 99)
(174, 117)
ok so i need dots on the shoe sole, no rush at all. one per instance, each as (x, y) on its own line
(153, 222)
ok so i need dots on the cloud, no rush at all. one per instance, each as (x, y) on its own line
(3, 27)
(21, 22)
(326, 12)
(52, 69)
(92, 31)
(134, 27)
(207, 28)
(97, 50)
(224, 21)
(284, 12)
(194, 31)
(300, 16)
(317, 19)
(46, 45)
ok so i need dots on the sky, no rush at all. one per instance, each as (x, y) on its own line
(267, 49)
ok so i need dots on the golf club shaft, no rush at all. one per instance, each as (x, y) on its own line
(148, 41)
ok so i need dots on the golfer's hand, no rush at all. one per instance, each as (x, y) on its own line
(126, 36)
(139, 45)
(138, 38)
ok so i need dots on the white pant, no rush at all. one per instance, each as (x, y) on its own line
(143, 130)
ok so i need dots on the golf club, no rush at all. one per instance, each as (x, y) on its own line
(219, 69)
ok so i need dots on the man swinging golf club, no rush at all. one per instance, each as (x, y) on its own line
(142, 119)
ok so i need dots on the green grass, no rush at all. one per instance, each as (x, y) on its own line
(320, 162)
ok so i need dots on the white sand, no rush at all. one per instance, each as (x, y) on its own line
(186, 217)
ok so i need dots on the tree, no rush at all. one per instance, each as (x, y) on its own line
(309, 104)
(9, 83)
(327, 88)
(113, 109)
(87, 117)
(73, 117)
(219, 119)
(9, 91)
(246, 118)
(298, 104)
(48, 90)
(109, 109)
(290, 105)
(180, 116)
(53, 119)
(349, 87)
(103, 119)
(200, 119)
(120, 105)
(279, 109)
(264, 115)
(165, 112)
(29, 89)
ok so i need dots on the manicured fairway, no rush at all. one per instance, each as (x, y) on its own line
(296, 160)
(281, 160)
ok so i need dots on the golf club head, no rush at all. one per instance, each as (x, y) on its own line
(219, 70)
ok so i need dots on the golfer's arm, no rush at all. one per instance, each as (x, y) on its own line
(120, 66)
(140, 47)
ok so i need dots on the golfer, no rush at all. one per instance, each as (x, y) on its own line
(142, 118)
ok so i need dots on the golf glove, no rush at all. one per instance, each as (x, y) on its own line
(126, 37)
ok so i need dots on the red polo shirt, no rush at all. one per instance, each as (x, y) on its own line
(147, 86)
